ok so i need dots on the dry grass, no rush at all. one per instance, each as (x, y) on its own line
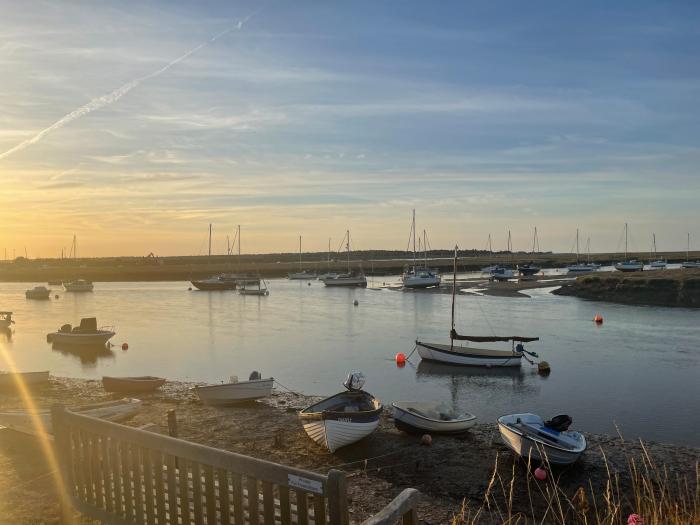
(657, 497)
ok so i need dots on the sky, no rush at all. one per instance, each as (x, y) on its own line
(133, 125)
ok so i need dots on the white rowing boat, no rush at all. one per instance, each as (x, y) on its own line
(39, 422)
(344, 418)
(234, 392)
(434, 418)
(12, 379)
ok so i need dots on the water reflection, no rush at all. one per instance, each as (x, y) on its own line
(88, 355)
(6, 334)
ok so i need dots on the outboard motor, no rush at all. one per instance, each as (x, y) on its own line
(66, 328)
(254, 376)
(354, 381)
(560, 423)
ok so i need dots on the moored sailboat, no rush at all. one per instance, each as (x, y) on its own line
(471, 356)
(350, 279)
(420, 276)
(301, 275)
(688, 263)
(656, 263)
(629, 265)
(581, 267)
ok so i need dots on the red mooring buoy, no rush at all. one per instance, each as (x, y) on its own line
(598, 318)
(125, 346)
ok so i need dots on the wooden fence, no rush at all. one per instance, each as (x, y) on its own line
(123, 475)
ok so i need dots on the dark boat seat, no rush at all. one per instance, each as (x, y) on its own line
(88, 324)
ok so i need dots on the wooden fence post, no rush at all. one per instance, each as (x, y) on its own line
(62, 453)
(172, 423)
(337, 498)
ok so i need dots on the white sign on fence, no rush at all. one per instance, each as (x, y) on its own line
(309, 485)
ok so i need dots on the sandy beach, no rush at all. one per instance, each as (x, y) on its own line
(450, 471)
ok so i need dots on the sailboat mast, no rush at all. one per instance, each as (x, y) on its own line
(454, 291)
(588, 250)
(687, 251)
(625, 241)
(210, 240)
(413, 230)
(329, 254)
(348, 247)
(576, 245)
(425, 249)
(239, 245)
(300, 253)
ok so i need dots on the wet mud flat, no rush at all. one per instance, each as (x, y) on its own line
(446, 472)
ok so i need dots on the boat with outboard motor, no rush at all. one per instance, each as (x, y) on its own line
(132, 384)
(38, 292)
(470, 356)
(549, 441)
(6, 320)
(344, 418)
(87, 334)
(235, 391)
(435, 418)
(24, 379)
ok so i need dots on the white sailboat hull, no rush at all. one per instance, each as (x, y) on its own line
(359, 281)
(630, 266)
(332, 434)
(231, 393)
(691, 264)
(416, 281)
(78, 287)
(467, 356)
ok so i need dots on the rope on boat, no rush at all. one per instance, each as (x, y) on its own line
(415, 347)
(365, 460)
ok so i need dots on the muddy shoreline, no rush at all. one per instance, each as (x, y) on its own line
(680, 288)
(379, 467)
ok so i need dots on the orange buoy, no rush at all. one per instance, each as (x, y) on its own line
(598, 318)
(400, 358)
(125, 346)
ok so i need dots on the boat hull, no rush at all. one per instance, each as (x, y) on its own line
(132, 384)
(10, 379)
(26, 422)
(211, 286)
(413, 423)
(233, 393)
(78, 339)
(690, 265)
(528, 270)
(78, 287)
(301, 276)
(468, 356)
(351, 282)
(261, 293)
(538, 450)
(333, 434)
(421, 282)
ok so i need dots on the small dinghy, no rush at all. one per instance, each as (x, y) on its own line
(235, 391)
(344, 418)
(26, 422)
(85, 334)
(6, 320)
(132, 384)
(529, 436)
(11, 379)
(430, 417)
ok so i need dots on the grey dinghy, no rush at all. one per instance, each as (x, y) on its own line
(529, 436)
(430, 417)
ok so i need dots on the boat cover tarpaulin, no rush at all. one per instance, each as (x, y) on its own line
(491, 339)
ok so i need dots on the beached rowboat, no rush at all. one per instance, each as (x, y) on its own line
(11, 379)
(39, 422)
(234, 392)
(430, 417)
(132, 384)
(530, 437)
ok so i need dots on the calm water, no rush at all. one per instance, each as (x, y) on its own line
(641, 369)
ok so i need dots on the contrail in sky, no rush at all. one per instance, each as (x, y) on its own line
(109, 98)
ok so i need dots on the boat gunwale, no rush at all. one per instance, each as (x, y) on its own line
(471, 417)
(334, 414)
(506, 354)
(248, 382)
